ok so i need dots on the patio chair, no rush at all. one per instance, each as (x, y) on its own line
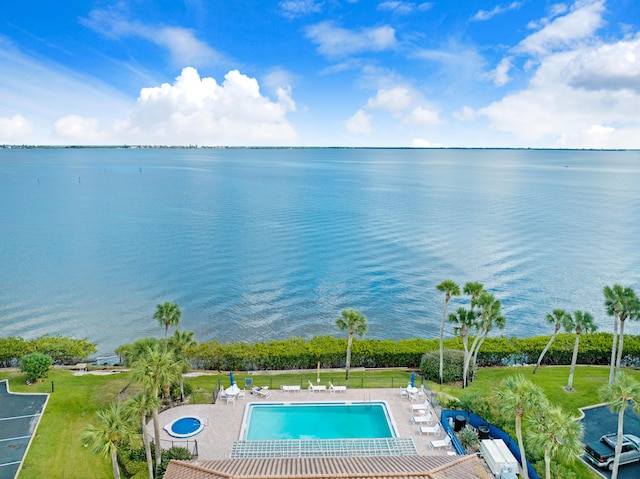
(262, 392)
(248, 383)
(314, 388)
(428, 419)
(403, 393)
(333, 389)
(440, 443)
(435, 430)
(419, 407)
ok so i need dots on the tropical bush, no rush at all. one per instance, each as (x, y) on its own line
(36, 366)
(453, 361)
(62, 349)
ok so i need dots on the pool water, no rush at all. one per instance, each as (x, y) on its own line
(317, 421)
(185, 427)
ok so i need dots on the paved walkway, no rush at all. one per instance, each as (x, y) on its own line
(224, 421)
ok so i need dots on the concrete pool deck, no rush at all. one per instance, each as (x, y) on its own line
(223, 421)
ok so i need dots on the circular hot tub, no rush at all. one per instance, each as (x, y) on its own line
(185, 426)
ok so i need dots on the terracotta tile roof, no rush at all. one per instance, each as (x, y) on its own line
(380, 467)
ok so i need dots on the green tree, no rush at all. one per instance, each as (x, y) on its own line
(36, 366)
(355, 323)
(519, 396)
(556, 318)
(580, 323)
(557, 434)
(621, 303)
(139, 407)
(449, 288)
(155, 370)
(180, 342)
(490, 316)
(464, 320)
(474, 290)
(624, 391)
(167, 314)
(114, 429)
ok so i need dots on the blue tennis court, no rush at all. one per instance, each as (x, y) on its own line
(19, 418)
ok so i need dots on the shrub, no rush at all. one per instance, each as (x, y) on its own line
(468, 437)
(452, 371)
(36, 366)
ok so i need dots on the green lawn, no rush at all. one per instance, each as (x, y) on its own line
(58, 452)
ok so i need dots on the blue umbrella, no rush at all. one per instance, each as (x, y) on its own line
(231, 382)
(413, 379)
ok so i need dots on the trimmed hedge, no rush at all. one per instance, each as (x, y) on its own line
(62, 349)
(452, 365)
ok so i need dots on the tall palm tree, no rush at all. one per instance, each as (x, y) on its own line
(355, 323)
(621, 303)
(557, 434)
(449, 288)
(519, 396)
(630, 309)
(556, 318)
(155, 370)
(167, 314)
(180, 342)
(580, 323)
(138, 407)
(474, 290)
(464, 320)
(624, 391)
(490, 316)
(114, 428)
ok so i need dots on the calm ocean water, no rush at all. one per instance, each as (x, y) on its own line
(258, 244)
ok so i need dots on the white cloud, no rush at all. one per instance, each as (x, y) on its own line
(501, 73)
(297, 8)
(15, 129)
(336, 42)
(466, 114)
(393, 99)
(181, 43)
(77, 130)
(423, 116)
(404, 8)
(359, 123)
(483, 15)
(421, 143)
(566, 31)
(196, 110)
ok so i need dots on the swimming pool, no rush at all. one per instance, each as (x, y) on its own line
(185, 426)
(332, 420)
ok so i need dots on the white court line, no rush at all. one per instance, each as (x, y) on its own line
(15, 438)
(18, 417)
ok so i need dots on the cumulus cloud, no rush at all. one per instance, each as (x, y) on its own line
(501, 73)
(196, 110)
(298, 8)
(483, 15)
(337, 42)
(77, 130)
(14, 129)
(565, 31)
(423, 116)
(393, 99)
(466, 114)
(181, 43)
(404, 8)
(421, 143)
(359, 123)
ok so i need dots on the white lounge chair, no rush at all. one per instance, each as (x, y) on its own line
(333, 389)
(262, 392)
(428, 419)
(435, 430)
(292, 389)
(420, 407)
(439, 443)
(314, 388)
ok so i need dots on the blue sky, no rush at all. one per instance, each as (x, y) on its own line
(321, 73)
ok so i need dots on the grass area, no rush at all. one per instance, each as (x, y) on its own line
(57, 450)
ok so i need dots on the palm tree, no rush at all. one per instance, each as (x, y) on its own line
(449, 288)
(139, 407)
(354, 322)
(473, 289)
(518, 397)
(465, 320)
(630, 309)
(581, 322)
(167, 314)
(114, 428)
(621, 303)
(490, 316)
(557, 434)
(155, 370)
(556, 318)
(179, 342)
(624, 391)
